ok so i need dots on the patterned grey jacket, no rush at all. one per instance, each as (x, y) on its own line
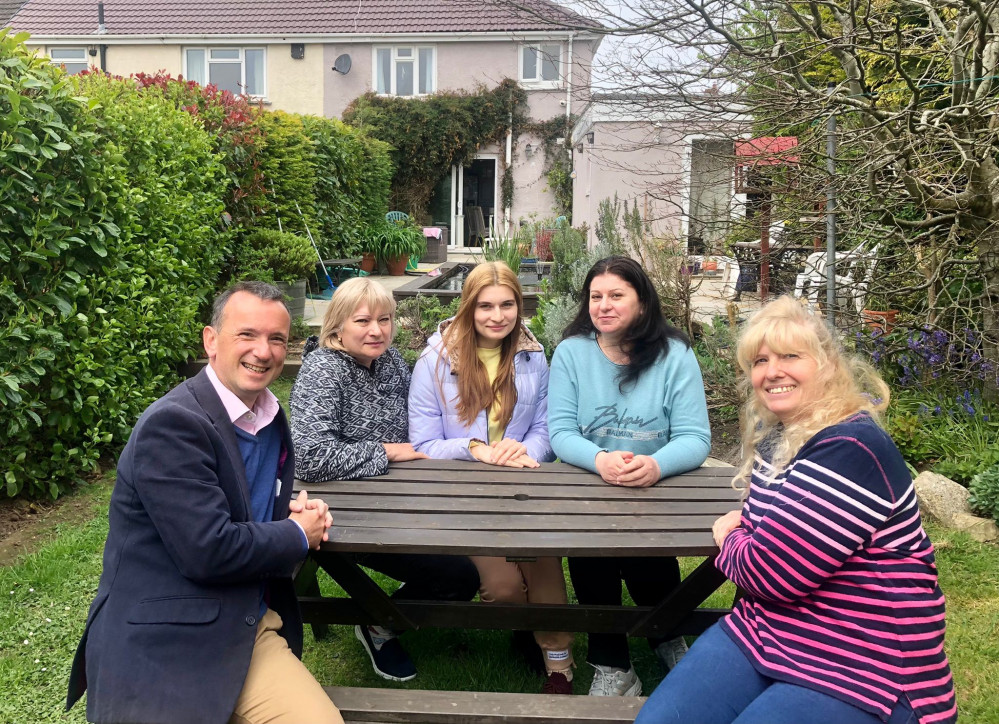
(342, 412)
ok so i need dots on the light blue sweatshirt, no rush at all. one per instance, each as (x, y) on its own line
(664, 414)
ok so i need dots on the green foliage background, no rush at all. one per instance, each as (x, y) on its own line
(122, 207)
(108, 243)
(351, 186)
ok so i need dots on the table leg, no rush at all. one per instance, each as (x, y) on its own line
(365, 592)
(306, 584)
(692, 591)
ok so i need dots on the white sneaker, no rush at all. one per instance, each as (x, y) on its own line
(610, 681)
(670, 652)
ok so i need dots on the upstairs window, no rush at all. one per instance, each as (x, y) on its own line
(541, 64)
(237, 70)
(405, 70)
(74, 60)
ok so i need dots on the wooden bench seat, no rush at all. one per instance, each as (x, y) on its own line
(409, 706)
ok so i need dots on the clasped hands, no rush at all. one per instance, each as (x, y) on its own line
(313, 514)
(620, 467)
(507, 452)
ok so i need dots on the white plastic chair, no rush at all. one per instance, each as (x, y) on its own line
(730, 275)
(851, 286)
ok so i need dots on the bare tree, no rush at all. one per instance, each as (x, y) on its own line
(912, 85)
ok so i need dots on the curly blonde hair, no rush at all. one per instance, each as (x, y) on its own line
(845, 384)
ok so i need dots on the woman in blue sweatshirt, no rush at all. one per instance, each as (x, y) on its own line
(625, 400)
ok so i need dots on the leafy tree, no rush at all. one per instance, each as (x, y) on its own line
(912, 86)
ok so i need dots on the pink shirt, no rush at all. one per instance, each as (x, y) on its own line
(265, 409)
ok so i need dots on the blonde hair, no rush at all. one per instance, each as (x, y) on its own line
(459, 340)
(845, 384)
(348, 297)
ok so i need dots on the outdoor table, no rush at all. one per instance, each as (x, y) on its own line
(339, 268)
(469, 508)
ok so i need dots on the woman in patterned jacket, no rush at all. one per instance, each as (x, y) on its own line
(841, 619)
(349, 420)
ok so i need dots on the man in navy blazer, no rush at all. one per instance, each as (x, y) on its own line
(195, 618)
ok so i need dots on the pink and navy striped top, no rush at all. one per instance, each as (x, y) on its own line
(840, 583)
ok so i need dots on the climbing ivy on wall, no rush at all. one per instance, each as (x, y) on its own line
(429, 135)
(558, 161)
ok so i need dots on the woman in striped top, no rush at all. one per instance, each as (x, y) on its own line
(841, 618)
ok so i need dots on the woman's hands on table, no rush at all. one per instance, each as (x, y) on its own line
(400, 452)
(507, 453)
(620, 467)
(725, 525)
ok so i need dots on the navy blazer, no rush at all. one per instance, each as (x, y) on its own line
(170, 633)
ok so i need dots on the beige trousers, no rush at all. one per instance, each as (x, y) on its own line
(278, 688)
(538, 581)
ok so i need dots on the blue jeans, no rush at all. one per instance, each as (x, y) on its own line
(716, 684)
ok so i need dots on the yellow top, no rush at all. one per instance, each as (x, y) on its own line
(490, 358)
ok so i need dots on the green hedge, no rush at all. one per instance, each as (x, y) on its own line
(120, 204)
(353, 175)
(108, 211)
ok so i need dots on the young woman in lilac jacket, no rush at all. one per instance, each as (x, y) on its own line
(480, 392)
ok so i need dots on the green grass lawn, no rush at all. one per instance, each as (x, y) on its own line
(45, 597)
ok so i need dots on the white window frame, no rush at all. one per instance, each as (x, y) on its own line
(537, 81)
(394, 59)
(205, 71)
(84, 58)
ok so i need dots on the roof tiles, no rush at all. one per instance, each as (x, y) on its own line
(308, 17)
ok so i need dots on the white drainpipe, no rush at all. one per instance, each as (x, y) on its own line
(509, 160)
(568, 80)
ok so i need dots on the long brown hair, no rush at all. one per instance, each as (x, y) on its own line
(459, 340)
(848, 384)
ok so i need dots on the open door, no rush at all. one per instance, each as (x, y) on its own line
(465, 203)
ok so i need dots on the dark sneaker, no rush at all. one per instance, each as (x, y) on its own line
(556, 683)
(388, 658)
(670, 652)
(525, 645)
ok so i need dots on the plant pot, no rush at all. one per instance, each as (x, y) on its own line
(882, 320)
(367, 262)
(295, 297)
(396, 265)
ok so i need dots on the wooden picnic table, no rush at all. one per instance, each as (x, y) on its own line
(468, 508)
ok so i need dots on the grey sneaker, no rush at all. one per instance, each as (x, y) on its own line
(670, 652)
(609, 681)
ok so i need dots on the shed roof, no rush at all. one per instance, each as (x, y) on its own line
(767, 150)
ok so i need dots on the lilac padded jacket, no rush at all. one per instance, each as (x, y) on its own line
(434, 426)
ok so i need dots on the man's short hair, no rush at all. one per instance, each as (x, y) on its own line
(261, 290)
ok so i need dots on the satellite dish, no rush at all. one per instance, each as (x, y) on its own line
(342, 64)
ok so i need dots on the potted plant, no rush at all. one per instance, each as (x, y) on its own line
(371, 242)
(399, 241)
(283, 259)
